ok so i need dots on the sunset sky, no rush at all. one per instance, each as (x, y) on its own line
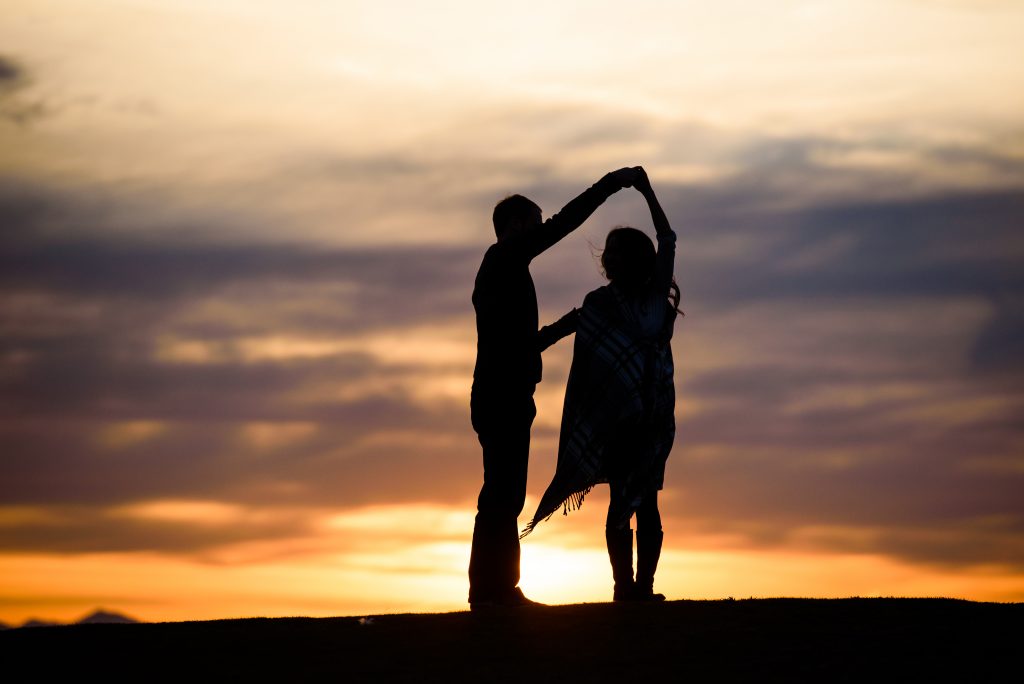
(238, 241)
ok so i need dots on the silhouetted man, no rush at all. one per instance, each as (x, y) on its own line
(508, 368)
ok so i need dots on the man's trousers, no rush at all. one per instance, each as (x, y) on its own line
(502, 422)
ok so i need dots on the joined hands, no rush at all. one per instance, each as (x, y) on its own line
(633, 177)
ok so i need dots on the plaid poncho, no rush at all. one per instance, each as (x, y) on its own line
(618, 417)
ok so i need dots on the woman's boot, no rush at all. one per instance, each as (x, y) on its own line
(620, 553)
(648, 551)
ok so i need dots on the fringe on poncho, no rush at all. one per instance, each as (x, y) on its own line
(619, 411)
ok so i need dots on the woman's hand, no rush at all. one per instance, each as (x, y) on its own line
(640, 181)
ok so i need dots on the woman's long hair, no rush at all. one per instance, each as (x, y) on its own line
(629, 260)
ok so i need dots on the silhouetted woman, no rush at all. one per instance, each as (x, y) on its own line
(618, 420)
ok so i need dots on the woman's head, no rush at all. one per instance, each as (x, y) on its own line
(628, 257)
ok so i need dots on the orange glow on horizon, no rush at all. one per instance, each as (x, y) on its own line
(389, 571)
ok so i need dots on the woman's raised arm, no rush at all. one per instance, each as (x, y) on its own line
(666, 238)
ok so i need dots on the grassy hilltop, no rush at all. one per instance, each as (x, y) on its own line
(774, 639)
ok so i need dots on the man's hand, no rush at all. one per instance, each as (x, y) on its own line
(627, 176)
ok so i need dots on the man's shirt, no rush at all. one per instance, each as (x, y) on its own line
(505, 300)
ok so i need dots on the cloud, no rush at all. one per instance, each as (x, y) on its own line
(998, 347)
(65, 529)
(14, 107)
(324, 289)
(898, 249)
(10, 71)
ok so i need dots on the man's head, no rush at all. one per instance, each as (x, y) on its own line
(514, 214)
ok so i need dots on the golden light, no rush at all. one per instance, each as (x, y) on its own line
(414, 558)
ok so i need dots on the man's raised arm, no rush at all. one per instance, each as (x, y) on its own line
(577, 210)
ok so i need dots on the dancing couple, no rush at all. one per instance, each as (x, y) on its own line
(618, 419)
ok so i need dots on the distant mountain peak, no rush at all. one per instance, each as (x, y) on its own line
(36, 622)
(103, 617)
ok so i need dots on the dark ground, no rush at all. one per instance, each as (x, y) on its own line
(759, 639)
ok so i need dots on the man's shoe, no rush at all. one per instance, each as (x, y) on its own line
(517, 599)
(511, 599)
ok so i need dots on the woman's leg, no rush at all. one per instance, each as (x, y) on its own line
(619, 538)
(649, 537)
(647, 515)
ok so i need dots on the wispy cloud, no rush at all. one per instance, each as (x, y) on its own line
(15, 106)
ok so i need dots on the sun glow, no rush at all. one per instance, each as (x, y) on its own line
(552, 574)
